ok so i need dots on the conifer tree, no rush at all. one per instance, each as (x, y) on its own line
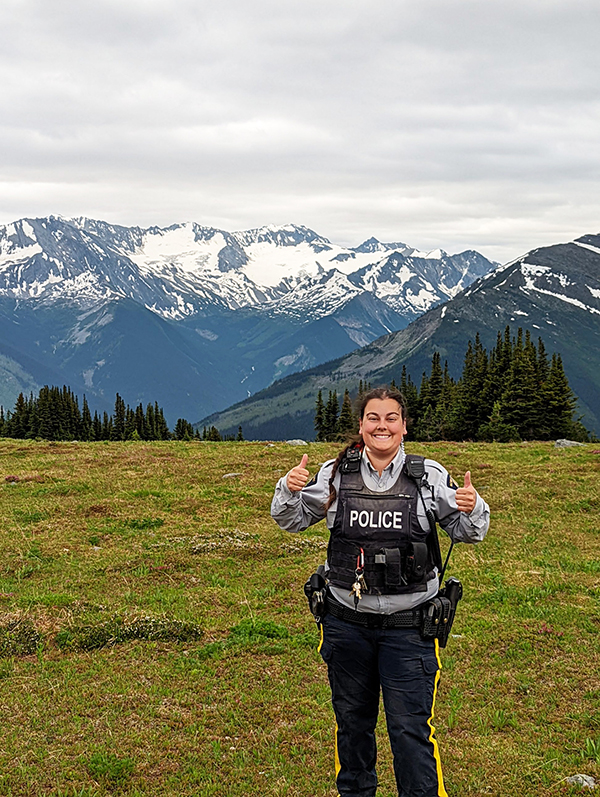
(19, 419)
(162, 430)
(496, 430)
(214, 435)
(423, 395)
(240, 436)
(184, 430)
(521, 405)
(427, 427)
(130, 427)
(443, 411)
(47, 427)
(436, 379)
(346, 424)
(492, 384)
(97, 426)
(118, 420)
(543, 367)
(432, 414)
(74, 420)
(560, 403)
(467, 414)
(87, 427)
(320, 418)
(330, 419)
(151, 423)
(33, 422)
(141, 425)
(411, 395)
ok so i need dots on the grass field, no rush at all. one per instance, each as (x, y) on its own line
(154, 638)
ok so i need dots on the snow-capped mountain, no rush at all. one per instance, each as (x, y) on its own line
(554, 292)
(246, 307)
(187, 269)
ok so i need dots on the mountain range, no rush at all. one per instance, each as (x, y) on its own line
(553, 291)
(194, 317)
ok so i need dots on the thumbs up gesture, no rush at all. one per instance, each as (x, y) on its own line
(466, 497)
(298, 476)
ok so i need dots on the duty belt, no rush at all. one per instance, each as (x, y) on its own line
(411, 618)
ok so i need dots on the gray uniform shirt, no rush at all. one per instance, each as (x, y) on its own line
(297, 511)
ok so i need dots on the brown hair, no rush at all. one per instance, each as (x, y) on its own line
(381, 393)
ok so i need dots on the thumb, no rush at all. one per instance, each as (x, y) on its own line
(303, 461)
(468, 479)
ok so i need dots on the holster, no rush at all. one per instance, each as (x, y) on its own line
(315, 589)
(438, 613)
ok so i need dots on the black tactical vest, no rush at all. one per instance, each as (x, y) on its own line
(385, 526)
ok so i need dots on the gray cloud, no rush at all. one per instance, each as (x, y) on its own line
(447, 123)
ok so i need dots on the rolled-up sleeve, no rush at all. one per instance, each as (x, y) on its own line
(297, 511)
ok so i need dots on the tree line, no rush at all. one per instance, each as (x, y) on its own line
(514, 392)
(55, 414)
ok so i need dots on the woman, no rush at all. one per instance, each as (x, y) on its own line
(382, 566)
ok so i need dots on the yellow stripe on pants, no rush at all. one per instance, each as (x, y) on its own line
(338, 766)
(436, 750)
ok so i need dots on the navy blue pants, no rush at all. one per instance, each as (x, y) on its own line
(361, 662)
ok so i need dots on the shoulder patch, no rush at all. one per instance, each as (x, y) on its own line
(312, 481)
(451, 483)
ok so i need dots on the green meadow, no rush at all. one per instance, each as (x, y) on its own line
(155, 640)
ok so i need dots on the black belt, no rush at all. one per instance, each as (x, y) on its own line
(411, 618)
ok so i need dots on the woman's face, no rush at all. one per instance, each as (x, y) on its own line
(382, 426)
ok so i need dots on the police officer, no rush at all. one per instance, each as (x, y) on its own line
(381, 570)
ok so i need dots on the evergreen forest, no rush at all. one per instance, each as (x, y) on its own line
(55, 414)
(514, 392)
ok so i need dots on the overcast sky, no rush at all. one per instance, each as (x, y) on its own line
(451, 123)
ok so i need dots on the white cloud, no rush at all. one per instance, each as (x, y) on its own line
(452, 123)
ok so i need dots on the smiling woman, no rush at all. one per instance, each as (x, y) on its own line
(382, 575)
(382, 428)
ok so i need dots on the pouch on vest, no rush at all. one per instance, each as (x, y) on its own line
(416, 561)
(391, 560)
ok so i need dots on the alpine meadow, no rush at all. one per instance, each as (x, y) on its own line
(299, 398)
(155, 639)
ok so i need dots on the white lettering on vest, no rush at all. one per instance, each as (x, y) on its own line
(385, 520)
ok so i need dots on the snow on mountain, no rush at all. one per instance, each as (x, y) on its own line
(569, 273)
(187, 269)
(412, 283)
(552, 292)
(315, 296)
(372, 245)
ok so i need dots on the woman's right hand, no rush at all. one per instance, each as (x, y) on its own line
(298, 476)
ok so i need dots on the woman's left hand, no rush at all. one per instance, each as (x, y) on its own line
(466, 497)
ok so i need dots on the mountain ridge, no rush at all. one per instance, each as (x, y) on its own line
(552, 291)
(250, 306)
